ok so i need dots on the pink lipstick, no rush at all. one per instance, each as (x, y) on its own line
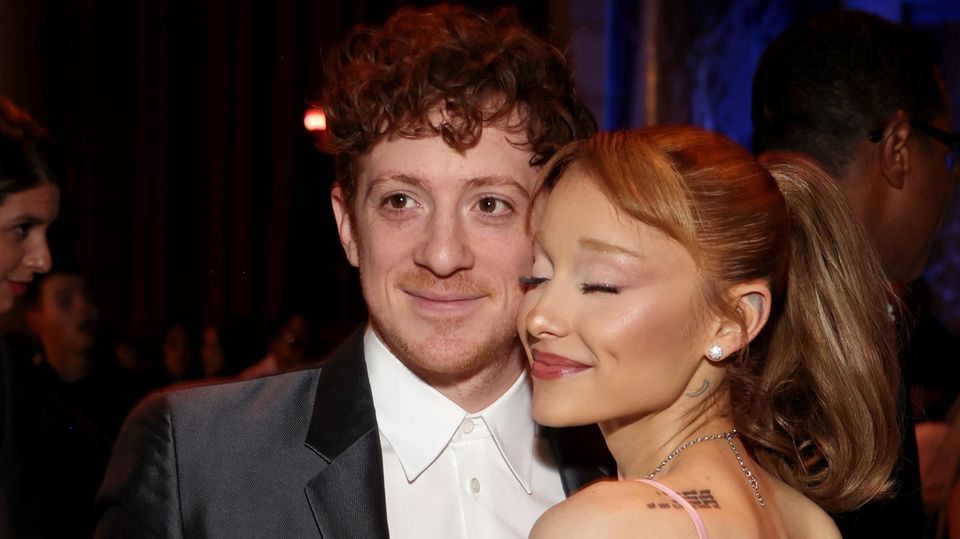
(551, 367)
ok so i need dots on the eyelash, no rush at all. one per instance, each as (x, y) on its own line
(385, 201)
(586, 288)
(23, 230)
(532, 281)
(508, 207)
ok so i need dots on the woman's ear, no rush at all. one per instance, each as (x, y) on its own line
(751, 301)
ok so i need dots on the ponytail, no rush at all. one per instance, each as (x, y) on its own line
(827, 422)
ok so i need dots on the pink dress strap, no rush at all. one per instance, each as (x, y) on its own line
(697, 521)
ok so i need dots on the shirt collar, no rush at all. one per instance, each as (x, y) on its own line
(419, 422)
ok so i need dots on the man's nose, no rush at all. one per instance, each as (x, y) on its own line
(446, 247)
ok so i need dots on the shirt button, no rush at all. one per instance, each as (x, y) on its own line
(475, 485)
(467, 426)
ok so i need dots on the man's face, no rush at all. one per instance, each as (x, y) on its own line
(440, 241)
(66, 317)
(931, 185)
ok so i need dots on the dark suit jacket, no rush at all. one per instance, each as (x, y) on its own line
(291, 455)
(52, 456)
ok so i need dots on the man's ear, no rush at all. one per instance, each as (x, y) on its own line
(894, 150)
(341, 211)
(751, 302)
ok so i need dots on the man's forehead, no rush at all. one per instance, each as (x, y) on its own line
(496, 159)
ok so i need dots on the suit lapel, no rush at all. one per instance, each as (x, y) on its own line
(346, 495)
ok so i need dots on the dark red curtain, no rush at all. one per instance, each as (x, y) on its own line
(198, 195)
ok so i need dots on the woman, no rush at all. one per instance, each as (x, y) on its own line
(29, 201)
(31, 484)
(721, 321)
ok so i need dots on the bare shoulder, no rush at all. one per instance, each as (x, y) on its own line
(614, 509)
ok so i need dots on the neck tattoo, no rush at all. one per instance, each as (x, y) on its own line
(728, 436)
(702, 390)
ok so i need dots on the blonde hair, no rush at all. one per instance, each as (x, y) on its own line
(814, 394)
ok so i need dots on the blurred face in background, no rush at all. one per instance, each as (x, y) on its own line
(290, 345)
(177, 354)
(65, 318)
(24, 219)
(211, 353)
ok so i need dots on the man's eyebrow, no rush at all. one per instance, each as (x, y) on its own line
(400, 178)
(496, 180)
(471, 183)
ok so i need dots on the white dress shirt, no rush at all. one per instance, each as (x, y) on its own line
(449, 474)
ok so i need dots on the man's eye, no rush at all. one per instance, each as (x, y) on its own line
(399, 201)
(493, 205)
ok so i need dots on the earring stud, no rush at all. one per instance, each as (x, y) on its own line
(715, 352)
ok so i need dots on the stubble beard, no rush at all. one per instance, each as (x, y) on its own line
(450, 352)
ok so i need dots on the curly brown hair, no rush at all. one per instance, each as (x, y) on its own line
(473, 69)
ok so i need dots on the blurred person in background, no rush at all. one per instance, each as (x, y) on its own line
(61, 312)
(177, 354)
(228, 348)
(288, 348)
(940, 472)
(211, 352)
(62, 317)
(866, 99)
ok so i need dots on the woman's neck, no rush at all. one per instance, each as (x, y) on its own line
(640, 444)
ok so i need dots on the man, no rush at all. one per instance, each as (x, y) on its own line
(61, 312)
(419, 425)
(62, 316)
(866, 99)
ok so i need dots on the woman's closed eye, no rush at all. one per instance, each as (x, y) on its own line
(595, 288)
(531, 281)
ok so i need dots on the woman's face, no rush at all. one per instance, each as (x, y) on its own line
(24, 219)
(610, 321)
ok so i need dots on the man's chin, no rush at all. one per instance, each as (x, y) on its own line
(447, 347)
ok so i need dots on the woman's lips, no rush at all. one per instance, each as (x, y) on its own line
(551, 366)
(17, 287)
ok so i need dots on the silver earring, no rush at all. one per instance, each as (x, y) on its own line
(715, 353)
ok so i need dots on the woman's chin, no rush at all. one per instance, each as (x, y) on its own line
(551, 415)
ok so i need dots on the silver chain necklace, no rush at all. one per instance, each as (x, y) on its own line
(728, 436)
